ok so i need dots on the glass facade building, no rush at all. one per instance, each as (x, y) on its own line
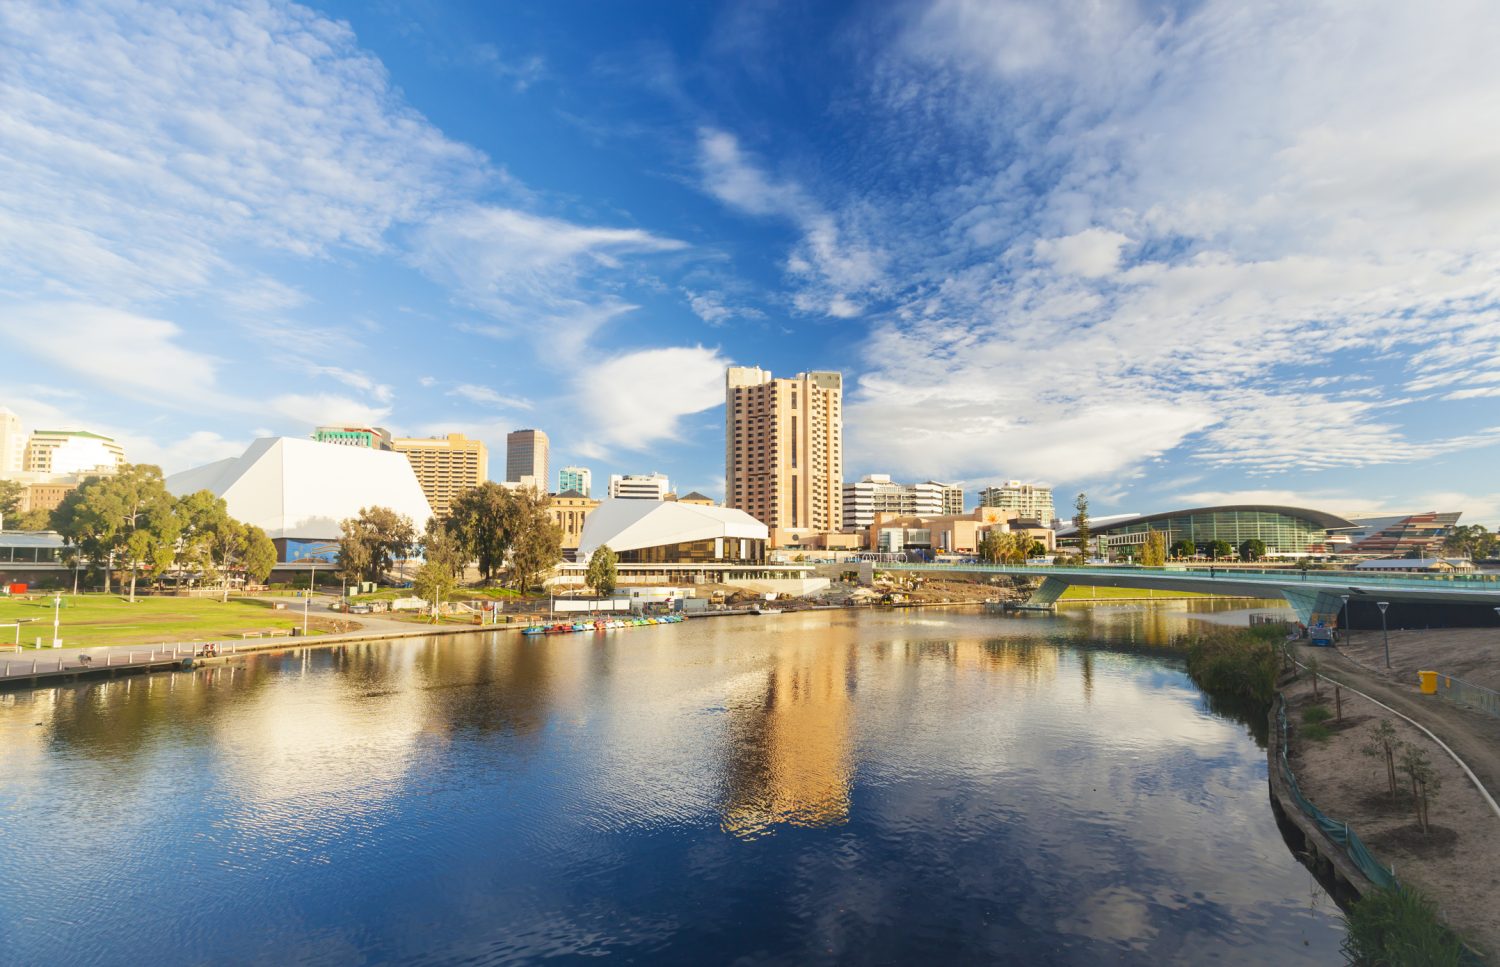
(1284, 530)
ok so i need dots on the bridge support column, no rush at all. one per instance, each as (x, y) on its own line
(1047, 595)
(1309, 603)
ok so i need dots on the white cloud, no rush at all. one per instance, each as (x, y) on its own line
(834, 259)
(714, 309)
(1090, 253)
(637, 399)
(485, 396)
(312, 409)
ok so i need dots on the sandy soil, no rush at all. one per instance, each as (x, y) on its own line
(1472, 654)
(1457, 862)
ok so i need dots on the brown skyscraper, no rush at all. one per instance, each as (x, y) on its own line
(784, 447)
(526, 456)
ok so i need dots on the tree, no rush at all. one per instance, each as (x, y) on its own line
(441, 545)
(991, 546)
(373, 541)
(258, 554)
(1183, 548)
(602, 574)
(10, 500)
(220, 546)
(1383, 744)
(1154, 551)
(434, 582)
(536, 541)
(1081, 522)
(29, 520)
(1220, 549)
(1253, 549)
(128, 515)
(1425, 781)
(482, 521)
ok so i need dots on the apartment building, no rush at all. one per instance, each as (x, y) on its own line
(783, 447)
(1030, 501)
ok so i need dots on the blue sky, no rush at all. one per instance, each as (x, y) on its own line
(1165, 253)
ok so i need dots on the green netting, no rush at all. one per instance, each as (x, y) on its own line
(1336, 830)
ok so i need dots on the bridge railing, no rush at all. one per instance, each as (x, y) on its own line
(1204, 573)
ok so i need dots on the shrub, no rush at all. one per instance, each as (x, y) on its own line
(1314, 732)
(1399, 927)
(1316, 714)
(1235, 661)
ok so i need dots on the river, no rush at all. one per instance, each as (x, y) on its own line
(938, 786)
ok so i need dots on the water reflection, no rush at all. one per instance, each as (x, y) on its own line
(815, 788)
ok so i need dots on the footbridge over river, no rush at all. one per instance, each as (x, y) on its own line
(1312, 594)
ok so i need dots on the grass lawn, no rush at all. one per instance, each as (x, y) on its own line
(1079, 592)
(97, 619)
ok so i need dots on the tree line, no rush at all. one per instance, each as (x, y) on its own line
(505, 533)
(129, 522)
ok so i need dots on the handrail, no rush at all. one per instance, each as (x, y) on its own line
(1482, 582)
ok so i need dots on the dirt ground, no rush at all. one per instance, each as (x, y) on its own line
(1457, 862)
(1472, 654)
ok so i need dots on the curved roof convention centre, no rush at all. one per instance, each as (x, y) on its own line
(1316, 517)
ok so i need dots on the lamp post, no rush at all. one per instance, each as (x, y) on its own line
(1382, 605)
(1346, 609)
(311, 577)
(56, 620)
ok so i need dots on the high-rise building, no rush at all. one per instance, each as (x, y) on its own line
(445, 466)
(579, 479)
(58, 452)
(1030, 501)
(12, 443)
(953, 496)
(639, 486)
(784, 447)
(526, 455)
(372, 437)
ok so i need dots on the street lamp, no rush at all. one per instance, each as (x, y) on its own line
(1346, 611)
(1382, 605)
(56, 619)
(311, 577)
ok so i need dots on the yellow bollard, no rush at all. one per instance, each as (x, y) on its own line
(1429, 682)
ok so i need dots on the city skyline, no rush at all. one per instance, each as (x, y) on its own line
(1099, 259)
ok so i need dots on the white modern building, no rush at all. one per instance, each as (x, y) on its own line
(61, 452)
(639, 486)
(299, 491)
(876, 493)
(663, 542)
(1030, 501)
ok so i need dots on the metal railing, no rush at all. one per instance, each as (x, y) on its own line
(1464, 693)
(1278, 576)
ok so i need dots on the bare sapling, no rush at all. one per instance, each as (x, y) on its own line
(1425, 782)
(1384, 744)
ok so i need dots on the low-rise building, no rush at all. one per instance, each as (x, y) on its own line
(370, 437)
(877, 493)
(1419, 565)
(949, 533)
(569, 510)
(62, 452)
(639, 486)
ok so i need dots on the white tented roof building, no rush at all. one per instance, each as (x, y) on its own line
(301, 489)
(670, 531)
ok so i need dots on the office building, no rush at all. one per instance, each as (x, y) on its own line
(526, 456)
(1031, 501)
(639, 486)
(876, 493)
(783, 448)
(445, 466)
(61, 452)
(580, 479)
(370, 437)
(12, 444)
(1398, 535)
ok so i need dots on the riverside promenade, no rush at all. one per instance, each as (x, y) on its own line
(39, 667)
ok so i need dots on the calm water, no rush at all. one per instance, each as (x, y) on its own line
(934, 787)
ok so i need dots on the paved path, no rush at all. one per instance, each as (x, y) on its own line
(1475, 736)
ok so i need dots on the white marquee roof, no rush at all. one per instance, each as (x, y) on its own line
(628, 525)
(302, 489)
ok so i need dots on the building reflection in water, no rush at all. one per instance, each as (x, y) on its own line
(789, 756)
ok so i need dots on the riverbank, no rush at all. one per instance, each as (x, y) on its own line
(1455, 861)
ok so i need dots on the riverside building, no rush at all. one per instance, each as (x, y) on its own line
(783, 447)
(639, 486)
(876, 493)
